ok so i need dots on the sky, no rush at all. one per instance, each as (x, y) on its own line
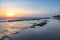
(30, 7)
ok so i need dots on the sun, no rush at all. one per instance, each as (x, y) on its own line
(10, 13)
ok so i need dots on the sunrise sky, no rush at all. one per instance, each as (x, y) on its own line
(19, 8)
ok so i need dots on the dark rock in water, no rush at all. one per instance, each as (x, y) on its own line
(57, 16)
(40, 24)
(32, 26)
(3, 37)
(16, 33)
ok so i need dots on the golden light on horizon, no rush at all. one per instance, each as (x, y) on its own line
(13, 13)
(10, 13)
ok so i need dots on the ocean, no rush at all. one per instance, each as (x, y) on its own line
(20, 30)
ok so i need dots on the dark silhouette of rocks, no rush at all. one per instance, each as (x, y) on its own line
(23, 19)
(39, 24)
(27, 19)
(16, 33)
(3, 37)
(57, 16)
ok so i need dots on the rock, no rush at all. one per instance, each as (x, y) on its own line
(3, 37)
(40, 24)
(56, 16)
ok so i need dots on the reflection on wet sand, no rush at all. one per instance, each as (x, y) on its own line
(9, 28)
(12, 27)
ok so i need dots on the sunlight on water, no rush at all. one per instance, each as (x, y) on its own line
(8, 28)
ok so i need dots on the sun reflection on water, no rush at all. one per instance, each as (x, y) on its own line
(9, 28)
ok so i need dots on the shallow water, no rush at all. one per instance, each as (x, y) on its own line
(49, 31)
(10, 27)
